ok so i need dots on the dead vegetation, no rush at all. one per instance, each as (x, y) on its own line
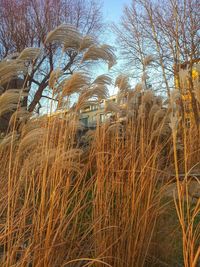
(104, 202)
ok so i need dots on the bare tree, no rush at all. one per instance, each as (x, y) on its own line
(25, 23)
(168, 30)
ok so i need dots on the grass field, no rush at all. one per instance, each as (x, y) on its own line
(110, 196)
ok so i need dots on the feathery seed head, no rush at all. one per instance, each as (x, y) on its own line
(86, 42)
(32, 140)
(110, 106)
(30, 53)
(19, 116)
(148, 60)
(96, 92)
(159, 100)
(175, 95)
(11, 69)
(122, 82)
(9, 139)
(153, 110)
(54, 76)
(174, 121)
(159, 115)
(76, 83)
(103, 79)
(148, 96)
(65, 34)
(138, 87)
(104, 52)
(145, 76)
(10, 100)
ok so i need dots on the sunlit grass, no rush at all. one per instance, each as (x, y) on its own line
(100, 197)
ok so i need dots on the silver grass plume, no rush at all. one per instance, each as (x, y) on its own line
(141, 111)
(122, 82)
(89, 135)
(174, 121)
(174, 96)
(133, 102)
(54, 76)
(110, 106)
(148, 60)
(138, 87)
(148, 96)
(30, 53)
(104, 52)
(159, 115)
(11, 69)
(133, 98)
(10, 100)
(74, 123)
(33, 123)
(9, 139)
(75, 83)
(103, 79)
(71, 156)
(66, 161)
(159, 100)
(65, 34)
(162, 130)
(86, 42)
(12, 56)
(96, 92)
(114, 128)
(153, 110)
(70, 119)
(32, 140)
(54, 156)
(83, 102)
(99, 91)
(145, 76)
(20, 116)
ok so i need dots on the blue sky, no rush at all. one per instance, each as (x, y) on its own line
(112, 12)
(113, 9)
